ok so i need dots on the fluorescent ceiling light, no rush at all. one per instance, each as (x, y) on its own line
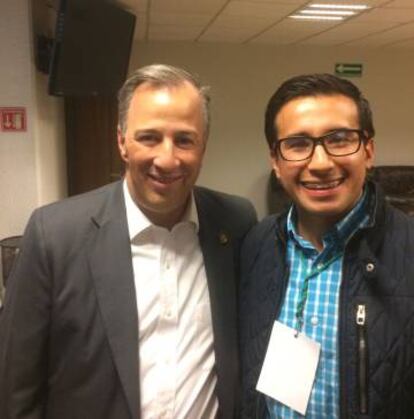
(340, 6)
(328, 12)
(316, 17)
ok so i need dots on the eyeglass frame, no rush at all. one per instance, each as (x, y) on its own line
(320, 141)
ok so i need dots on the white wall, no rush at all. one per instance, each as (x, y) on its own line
(50, 144)
(49, 123)
(244, 77)
(18, 184)
(32, 163)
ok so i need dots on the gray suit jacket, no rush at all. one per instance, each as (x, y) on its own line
(69, 327)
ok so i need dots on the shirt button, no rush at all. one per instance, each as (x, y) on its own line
(320, 265)
(314, 320)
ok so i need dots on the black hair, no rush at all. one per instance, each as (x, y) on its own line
(316, 85)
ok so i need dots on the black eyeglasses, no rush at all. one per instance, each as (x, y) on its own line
(338, 143)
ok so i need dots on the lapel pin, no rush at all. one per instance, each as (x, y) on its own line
(223, 238)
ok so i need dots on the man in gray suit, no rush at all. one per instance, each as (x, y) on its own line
(122, 302)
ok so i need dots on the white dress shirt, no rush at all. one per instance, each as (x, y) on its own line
(176, 352)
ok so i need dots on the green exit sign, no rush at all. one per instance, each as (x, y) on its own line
(348, 70)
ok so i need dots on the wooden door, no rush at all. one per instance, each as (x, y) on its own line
(92, 153)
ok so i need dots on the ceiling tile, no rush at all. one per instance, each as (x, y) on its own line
(258, 10)
(179, 19)
(238, 26)
(225, 35)
(241, 23)
(346, 33)
(173, 32)
(296, 3)
(291, 31)
(231, 30)
(401, 3)
(404, 44)
(187, 6)
(265, 21)
(386, 15)
(370, 3)
(402, 32)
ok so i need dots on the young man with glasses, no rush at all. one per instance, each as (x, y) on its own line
(326, 297)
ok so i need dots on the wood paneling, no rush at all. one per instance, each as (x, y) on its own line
(92, 154)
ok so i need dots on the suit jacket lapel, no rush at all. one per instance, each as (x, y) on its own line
(217, 247)
(218, 259)
(111, 267)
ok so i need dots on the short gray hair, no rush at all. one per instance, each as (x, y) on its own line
(160, 75)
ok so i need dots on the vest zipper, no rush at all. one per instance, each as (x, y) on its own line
(362, 359)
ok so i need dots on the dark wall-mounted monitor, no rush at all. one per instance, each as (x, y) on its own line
(91, 48)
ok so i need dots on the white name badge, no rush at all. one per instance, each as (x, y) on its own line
(289, 368)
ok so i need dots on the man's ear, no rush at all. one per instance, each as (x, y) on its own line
(274, 161)
(369, 153)
(121, 144)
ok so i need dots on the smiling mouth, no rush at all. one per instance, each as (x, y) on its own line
(322, 186)
(166, 180)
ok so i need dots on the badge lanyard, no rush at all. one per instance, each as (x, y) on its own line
(300, 308)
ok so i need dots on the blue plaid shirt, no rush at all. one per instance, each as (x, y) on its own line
(320, 316)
